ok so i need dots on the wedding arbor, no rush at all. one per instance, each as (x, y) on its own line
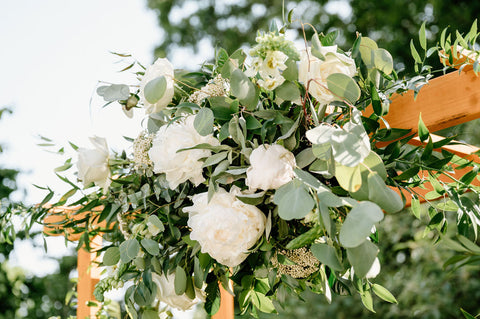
(446, 101)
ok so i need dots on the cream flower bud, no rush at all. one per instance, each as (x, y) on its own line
(93, 163)
(271, 166)
(161, 67)
(225, 227)
(180, 167)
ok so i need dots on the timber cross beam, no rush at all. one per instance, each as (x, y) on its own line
(446, 101)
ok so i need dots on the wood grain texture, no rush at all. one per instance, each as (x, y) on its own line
(446, 101)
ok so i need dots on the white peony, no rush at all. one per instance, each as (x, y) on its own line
(225, 227)
(271, 166)
(166, 293)
(92, 164)
(161, 67)
(317, 71)
(180, 166)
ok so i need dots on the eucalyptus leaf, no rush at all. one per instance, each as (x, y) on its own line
(129, 250)
(243, 89)
(326, 255)
(155, 89)
(362, 257)
(180, 281)
(151, 246)
(288, 91)
(111, 256)
(293, 200)
(203, 122)
(382, 195)
(343, 87)
(358, 224)
(349, 178)
(114, 92)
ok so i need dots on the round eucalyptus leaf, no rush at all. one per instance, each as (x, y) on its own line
(382, 195)
(203, 122)
(383, 60)
(129, 250)
(288, 91)
(362, 257)
(343, 87)
(151, 246)
(111, 256)
(349, 178)
(293, 200)
(155, 89)
(326, 255)
(358, 224)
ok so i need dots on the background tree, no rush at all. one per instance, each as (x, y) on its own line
(392, 23)
(23, 295)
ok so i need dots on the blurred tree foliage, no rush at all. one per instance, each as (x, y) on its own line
(231, 24)
(23, 296)
(412, 270)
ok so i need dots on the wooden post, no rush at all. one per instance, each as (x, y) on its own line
(226, 310)
(88, 277)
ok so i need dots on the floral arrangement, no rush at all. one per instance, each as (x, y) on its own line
(266, 170)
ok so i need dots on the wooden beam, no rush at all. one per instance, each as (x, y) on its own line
(446, 101)
(88, 277)
(226, 310)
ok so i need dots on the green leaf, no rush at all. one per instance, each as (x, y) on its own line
(383, 293)
(215, 159)
(291, 72)
(151, 246)
(367, 47)
(180, 281)
(415, 55)
(212, 301)
(383, 196)
(422, 129)
(343, 87)
(305, 158)
(129, 250)
(326, 255)
(153, 219)
(349, 178)
(150, 314)
(375, 163)
(293, 200)
(358, 224)
(288, 91)
(362, 257)
(243, 89)
(416, 208)
(466, 314)
(155, 89)
(304, 239)
(252, 199)
(383, 60)
(197, 273)
(423, 36)
(367, 300)
(111, 256)
(203, 122)
(262, 302)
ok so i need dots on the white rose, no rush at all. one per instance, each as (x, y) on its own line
(312, 68)
(225, 227)
(166, 293)
(92, 164)
(161, 67)
(271, 166)
(182, 166)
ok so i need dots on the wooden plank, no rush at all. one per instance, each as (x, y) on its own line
(446, 101)
(88, 277)
(226, 310)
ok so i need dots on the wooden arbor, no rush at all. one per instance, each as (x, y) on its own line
(446, 101)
